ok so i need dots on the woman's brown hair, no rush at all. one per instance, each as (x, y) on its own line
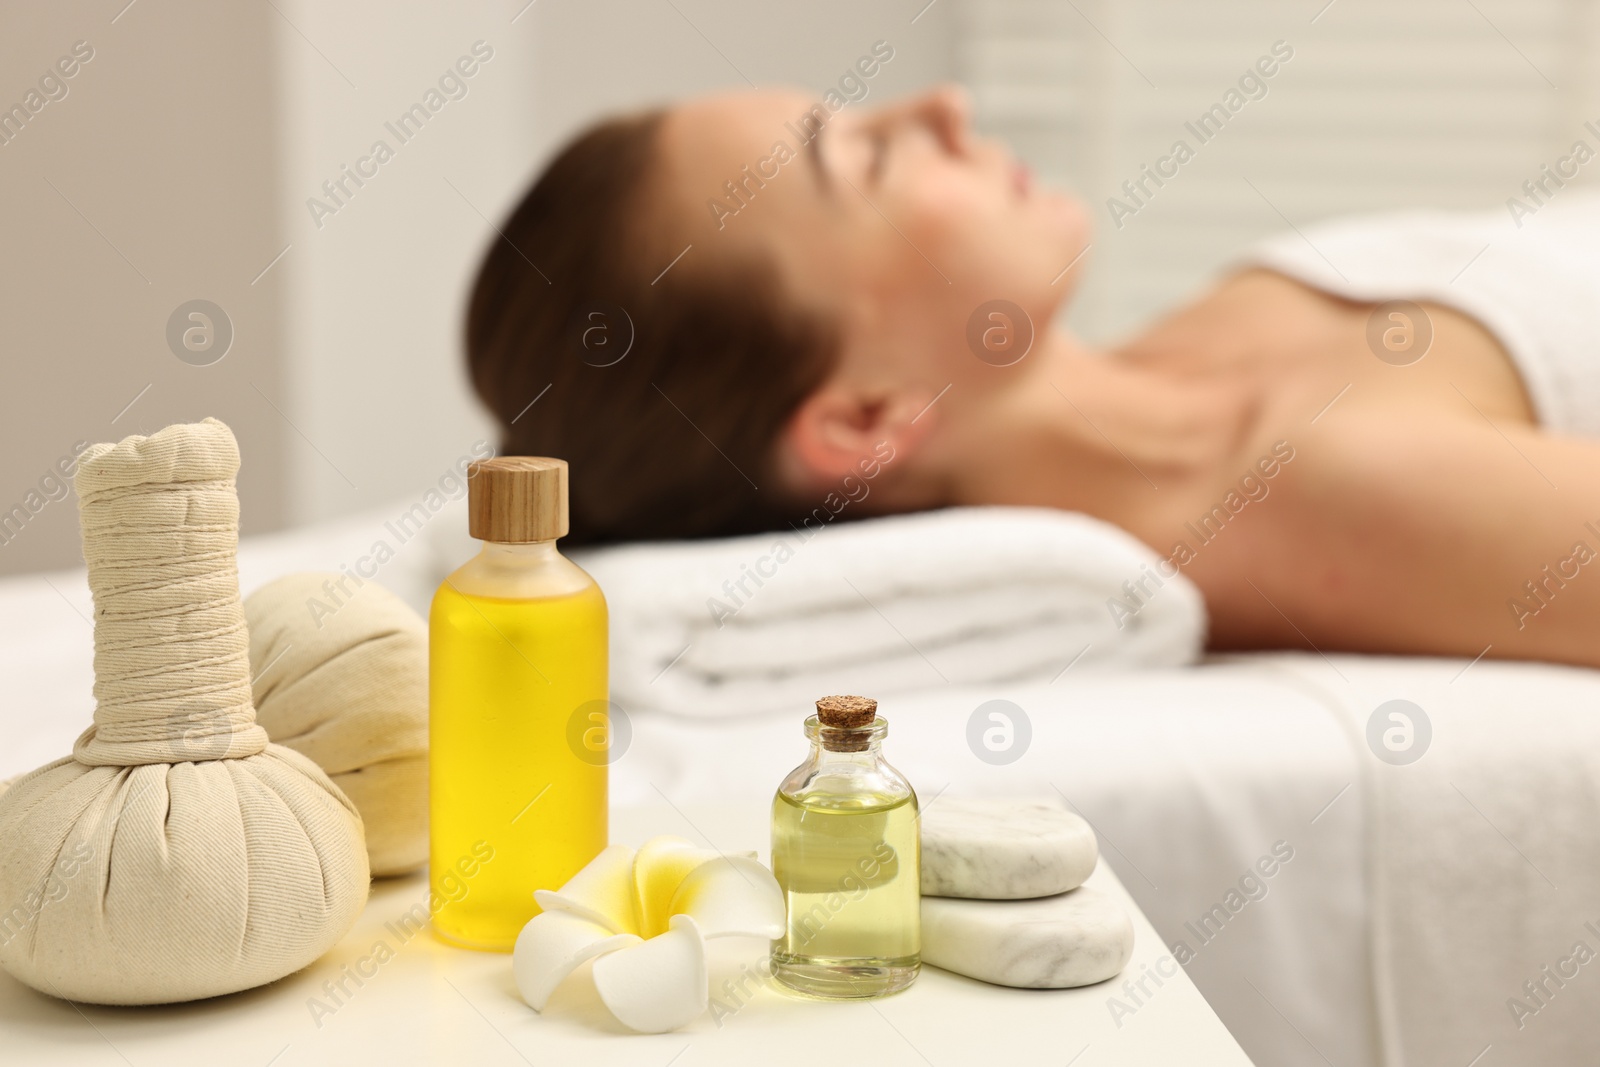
(675, 438)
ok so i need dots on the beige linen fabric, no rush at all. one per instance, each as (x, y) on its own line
(176, 854)
(341, 676)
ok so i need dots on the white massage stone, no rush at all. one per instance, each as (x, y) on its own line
(1003, 849)
(1058, 942)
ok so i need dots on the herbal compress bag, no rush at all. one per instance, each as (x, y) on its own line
(341, 676)
(176, 854)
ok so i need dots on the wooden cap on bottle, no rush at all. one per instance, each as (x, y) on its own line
(517, 499)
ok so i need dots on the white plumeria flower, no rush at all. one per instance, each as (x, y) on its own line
(646, 914)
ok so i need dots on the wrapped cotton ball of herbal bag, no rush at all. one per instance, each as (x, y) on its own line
(341, 676)
(176, 854)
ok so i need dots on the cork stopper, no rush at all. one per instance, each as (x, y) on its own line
(852, 713)
(844, 722)
(517, 499)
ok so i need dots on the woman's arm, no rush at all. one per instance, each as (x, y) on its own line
(1435, 535)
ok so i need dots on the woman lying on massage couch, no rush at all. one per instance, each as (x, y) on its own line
(744, 303)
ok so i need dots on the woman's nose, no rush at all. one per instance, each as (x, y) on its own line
(947, 110)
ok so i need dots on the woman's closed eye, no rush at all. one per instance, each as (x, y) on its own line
(878, 160)
(859, 155)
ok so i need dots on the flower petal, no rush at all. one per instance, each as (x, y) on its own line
(658, 985)
(552, 945)
(602, 892)
(732, 895)
(658, 870)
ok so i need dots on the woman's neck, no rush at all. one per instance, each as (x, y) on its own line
(1090, 431)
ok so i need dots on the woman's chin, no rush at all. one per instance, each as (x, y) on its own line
(1062, 223)
(1073, 222)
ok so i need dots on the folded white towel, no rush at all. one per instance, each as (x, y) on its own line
(965, 595)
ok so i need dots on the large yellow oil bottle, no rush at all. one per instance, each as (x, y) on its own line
(518, 712)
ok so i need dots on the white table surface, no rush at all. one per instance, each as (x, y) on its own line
(432, 1004)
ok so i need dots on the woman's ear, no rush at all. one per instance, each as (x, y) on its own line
(838, 431)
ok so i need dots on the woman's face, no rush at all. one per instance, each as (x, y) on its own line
(896, 221)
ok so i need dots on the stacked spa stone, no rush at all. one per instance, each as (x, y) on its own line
(1003, 898)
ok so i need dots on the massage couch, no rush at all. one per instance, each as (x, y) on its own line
(1406, 906)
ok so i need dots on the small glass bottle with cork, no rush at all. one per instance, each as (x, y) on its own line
(846, 852)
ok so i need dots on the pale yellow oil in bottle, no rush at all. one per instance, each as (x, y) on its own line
(517, 692)
(850, 868)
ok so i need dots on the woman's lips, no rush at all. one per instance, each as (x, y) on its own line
(1021, 179)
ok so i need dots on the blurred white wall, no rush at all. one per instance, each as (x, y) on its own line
(142, 180)
(379, 257)
(604, 55)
